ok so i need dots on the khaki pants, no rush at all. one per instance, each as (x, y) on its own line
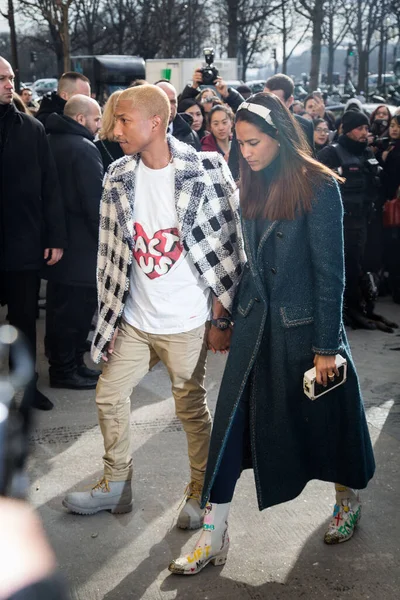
(135, 353)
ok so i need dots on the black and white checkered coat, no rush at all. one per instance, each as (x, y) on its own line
(207, 205)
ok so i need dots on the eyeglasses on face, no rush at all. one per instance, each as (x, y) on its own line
(322, 130)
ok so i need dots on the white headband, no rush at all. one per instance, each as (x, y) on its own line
(260, 110)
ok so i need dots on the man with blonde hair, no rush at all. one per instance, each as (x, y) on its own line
(170, 258)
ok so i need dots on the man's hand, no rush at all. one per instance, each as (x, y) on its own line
(218, 340)
(197, 78)
(320, 106)
(325, 367)
(110, 347)
(222, 87)
(55, 254)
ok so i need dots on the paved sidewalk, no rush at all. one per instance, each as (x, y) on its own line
(277, 554)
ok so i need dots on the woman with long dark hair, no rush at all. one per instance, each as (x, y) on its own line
(196, 111)
(287, 317)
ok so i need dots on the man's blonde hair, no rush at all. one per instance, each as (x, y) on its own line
(108, 122)
(150, 100)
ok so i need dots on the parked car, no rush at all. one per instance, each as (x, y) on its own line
(369, 108)
(256, 85)
(388, 78)
(338, 109)
(43, 86)
(234, 83)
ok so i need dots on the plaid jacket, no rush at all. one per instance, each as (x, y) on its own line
(207, 205)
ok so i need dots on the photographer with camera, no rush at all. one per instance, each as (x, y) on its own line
(209, 76)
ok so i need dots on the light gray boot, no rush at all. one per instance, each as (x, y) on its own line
(115, 496)
(191, 515)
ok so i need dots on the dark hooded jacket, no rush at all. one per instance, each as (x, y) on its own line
(391, 171)
(183, 132)
(80, 170)
(109, 151)
(51, 103)
(31, 210)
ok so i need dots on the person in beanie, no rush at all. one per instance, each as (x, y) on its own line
(352, 158)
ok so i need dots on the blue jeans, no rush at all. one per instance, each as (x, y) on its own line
(232, 458)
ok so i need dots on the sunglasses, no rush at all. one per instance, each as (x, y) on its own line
(208, 99)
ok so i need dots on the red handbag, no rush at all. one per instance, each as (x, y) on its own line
(391, 212)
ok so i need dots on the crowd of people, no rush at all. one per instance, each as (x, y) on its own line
(204, 221)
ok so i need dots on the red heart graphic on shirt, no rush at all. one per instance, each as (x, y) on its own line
(157, 255)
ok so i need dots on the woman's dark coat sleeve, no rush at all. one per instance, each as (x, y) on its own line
(325, 227)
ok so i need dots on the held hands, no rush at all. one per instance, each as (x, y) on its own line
(325, 366)
(219, 341)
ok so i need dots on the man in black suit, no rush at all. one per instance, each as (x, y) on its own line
(283, 87)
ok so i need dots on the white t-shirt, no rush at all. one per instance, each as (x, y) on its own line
(166, 293)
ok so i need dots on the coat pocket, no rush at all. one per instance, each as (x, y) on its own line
(298, 325)
(246, 295)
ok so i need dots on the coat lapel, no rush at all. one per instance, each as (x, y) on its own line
(189, 183)
(123, 194)
(250, 242)
(270, 226)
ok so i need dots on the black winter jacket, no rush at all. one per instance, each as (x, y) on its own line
(80, 170)
(110, 151)
(31, 210)
(391, 172)
(183, 132)
(51, 103)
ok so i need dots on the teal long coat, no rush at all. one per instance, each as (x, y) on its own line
(288, 308)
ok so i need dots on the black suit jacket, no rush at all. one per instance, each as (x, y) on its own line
(31, 208)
